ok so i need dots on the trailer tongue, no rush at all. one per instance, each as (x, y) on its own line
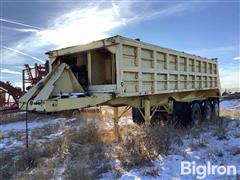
(59, 91)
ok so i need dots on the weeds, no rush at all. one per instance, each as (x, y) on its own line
(145, 145)
(76, 173)
(85, 147)
(236, 151)
(154, 172)
(237, 135)
(84, 150)
(198, 143)
(221, 129)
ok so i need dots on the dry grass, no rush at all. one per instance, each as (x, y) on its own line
(221, 129)
(81, 143)
(18, 167)
(141, 145)
(45, 131)
(198, 143)
(195, 133)
(214, 154)
(21, 116)
(138, 145)
(237, 135)
(236, 151)
(78, 172)
(152, 171)
(230, 113)
(41, 159)
(86, 151)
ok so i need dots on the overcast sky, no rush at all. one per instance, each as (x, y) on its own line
(30, 28)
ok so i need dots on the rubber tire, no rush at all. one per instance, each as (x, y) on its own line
(196, 115)
(207, 111)
(215, 110)
(137, 116)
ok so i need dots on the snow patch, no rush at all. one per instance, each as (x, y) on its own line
(21, 126)
(230, 104)
(10, 143)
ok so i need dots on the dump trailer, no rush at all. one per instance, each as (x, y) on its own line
(155, 82)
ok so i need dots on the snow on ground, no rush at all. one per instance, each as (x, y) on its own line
(206, 148)
(201, 149)
(21, 126)
(230, 104)
(8, 132)
(122, 122)
(8, 142)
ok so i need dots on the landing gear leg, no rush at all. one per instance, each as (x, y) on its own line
(147, 111)
(116, 126)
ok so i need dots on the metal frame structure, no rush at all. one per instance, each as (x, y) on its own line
(11, 102)
(31, 75)
(138, 74)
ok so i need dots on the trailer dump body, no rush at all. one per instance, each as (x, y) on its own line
(121, 71)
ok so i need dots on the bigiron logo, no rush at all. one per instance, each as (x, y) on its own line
(201, 171)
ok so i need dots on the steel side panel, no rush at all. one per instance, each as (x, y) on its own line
(147, 70)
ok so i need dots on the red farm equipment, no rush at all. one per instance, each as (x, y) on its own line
(9, 95)
(31, 75)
